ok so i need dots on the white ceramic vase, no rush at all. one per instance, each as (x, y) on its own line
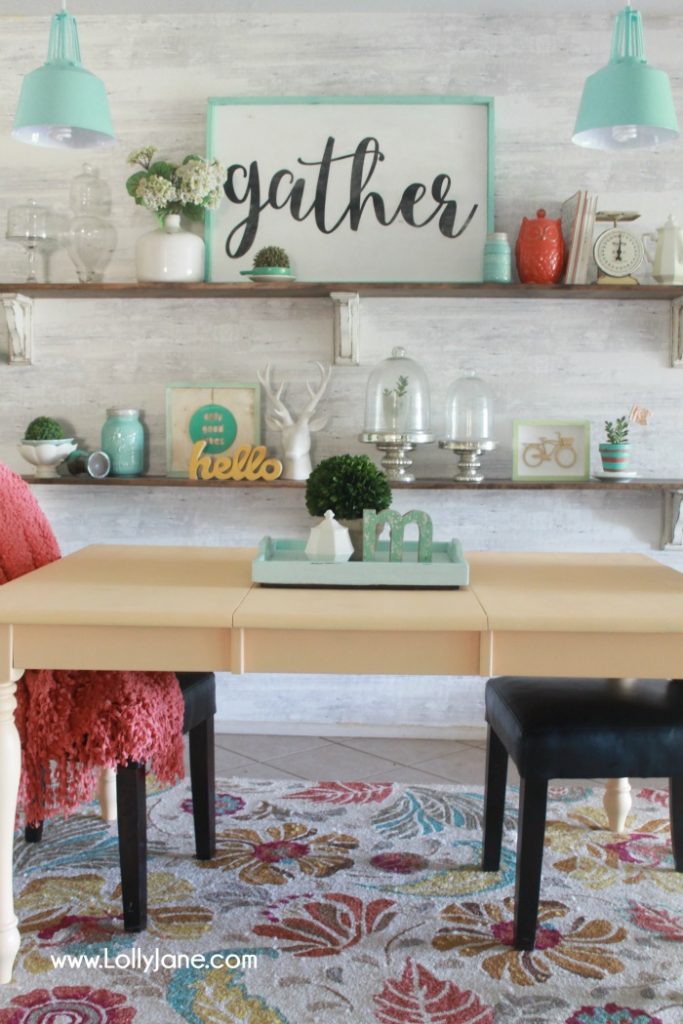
(170, 254)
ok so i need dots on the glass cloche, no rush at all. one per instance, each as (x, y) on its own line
(397, 398)
(469, 409)
(397, 412)
(469, 425)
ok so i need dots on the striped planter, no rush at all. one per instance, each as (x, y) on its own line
(615, 457)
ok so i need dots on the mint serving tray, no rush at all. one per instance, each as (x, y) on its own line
(284, 563)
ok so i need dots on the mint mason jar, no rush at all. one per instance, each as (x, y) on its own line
(123, 440)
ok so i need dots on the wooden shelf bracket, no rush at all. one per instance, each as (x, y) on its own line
(19, 317)
(677, 333)
(672, 533)
(346, 330)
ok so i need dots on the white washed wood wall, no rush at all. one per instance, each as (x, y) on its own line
(543, 359)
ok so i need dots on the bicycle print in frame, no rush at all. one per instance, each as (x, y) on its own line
(550, 450)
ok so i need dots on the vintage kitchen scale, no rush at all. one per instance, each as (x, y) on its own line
(617, 251)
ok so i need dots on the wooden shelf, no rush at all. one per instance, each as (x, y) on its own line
(428, 484)
(314, 290)
(670, 490)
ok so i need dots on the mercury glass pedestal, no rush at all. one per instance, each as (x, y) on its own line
(397, 413)
(396, 462)
(469, 466)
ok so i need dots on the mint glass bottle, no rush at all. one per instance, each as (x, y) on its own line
(123, 440)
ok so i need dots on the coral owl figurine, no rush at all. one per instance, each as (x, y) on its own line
(539, 251)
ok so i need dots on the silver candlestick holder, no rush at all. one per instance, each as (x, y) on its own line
(469, 466)
(396, 463)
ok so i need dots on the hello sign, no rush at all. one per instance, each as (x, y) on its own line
(355, 189)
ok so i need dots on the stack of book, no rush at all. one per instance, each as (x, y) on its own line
(578, 222)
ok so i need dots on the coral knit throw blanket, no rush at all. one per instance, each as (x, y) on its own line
(73, 723)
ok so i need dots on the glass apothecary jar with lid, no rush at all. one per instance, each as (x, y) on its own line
(469, 424)
(397, 412)
(92, 237)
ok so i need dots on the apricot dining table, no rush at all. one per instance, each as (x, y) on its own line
(184, 608)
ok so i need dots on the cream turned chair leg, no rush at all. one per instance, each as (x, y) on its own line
(106, 792)
(617, 803)
(10, 766)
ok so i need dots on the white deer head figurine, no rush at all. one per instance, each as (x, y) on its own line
(296, 433)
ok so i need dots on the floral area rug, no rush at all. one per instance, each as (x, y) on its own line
(351, 903)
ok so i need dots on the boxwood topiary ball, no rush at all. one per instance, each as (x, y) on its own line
(347, 484)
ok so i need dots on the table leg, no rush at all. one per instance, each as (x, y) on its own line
(106, 791)
(617, 802)
(10, 766)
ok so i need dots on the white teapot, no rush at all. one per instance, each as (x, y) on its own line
(667, 261)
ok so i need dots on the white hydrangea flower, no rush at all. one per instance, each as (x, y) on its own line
(199, 183)
(156, 192)
(142, 156)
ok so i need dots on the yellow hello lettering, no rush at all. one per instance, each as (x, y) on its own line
(248, 463)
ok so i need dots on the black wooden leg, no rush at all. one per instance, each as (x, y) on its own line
(203, 779)
(676, 819)
(33, 833)
(533, 797)
(132, 816)
(494, 801)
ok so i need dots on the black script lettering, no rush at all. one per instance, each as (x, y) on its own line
(364, 160)
(324, 165)
(412, 195)
(359, 181)
(440, 188)
(250, 222)
(294, 197)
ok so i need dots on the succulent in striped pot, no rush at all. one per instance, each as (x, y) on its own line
(615, 452)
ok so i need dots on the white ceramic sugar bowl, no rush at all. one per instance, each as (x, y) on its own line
(329, 541)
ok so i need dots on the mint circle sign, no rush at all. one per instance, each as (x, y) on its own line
(215, 425)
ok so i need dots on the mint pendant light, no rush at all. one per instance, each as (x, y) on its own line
(627, 104)
(61, 104)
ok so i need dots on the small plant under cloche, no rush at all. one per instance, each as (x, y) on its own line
(271, 256)
(347, 484)
(44, 428)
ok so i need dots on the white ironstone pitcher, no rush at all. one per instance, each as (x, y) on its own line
(667, 260)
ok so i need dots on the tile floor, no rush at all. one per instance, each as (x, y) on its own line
(361, 760)
(367, 759)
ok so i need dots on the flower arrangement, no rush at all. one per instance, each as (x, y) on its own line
(188, 188)
(616, 431)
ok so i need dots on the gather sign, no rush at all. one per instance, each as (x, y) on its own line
(355, 189)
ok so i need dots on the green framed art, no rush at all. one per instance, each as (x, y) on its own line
(225, 416)
(550, 450)
(362, 188)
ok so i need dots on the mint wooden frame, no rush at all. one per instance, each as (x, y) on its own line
(429, 164)
(530, 454)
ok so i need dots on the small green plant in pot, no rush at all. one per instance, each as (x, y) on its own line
(44, 445)
(615, 452)
(44, 428)
(271, 256)
(270, 262)
(347, 484)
